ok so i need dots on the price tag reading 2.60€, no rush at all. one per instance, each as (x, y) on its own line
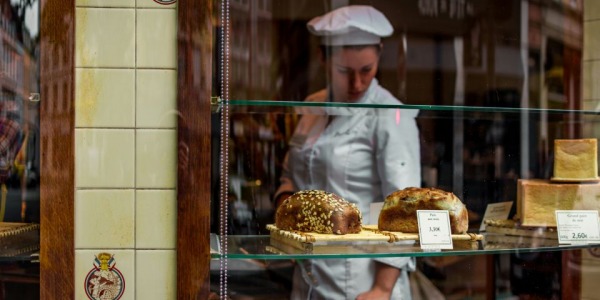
(434, 229)
(577, 226)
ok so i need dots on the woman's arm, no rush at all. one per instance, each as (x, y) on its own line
(385, 279)
(286, 188)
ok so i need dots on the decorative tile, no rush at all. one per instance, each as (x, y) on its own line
(105, 3)
(156, 99)
(104, 158)
(156, 272)
(156, 158)
(105, 37)
(157, 4)
(104, 219)
(591, 40)
(156, 219)
(104, 98)
(156, 36)
(119, 277)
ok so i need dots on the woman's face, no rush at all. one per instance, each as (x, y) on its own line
(351, 71)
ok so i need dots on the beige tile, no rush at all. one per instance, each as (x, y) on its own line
(105, 3)
(591, 40)
(156, 99)
(104, 219)
(104, 97)
(156, 219)
(156, 34)
(157, 4)
(123, 263)
(156, 272)
(104, 158)
(591, 10)
(105, 37)
(156, 156)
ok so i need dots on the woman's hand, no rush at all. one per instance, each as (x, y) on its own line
(375, 294)
(385, 279)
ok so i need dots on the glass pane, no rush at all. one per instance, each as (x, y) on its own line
(19, 148)
(466, 96)
(19, 128)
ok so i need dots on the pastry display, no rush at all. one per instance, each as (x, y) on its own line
(399, 212)
(537, 200)
(318, 211)
(575, 160)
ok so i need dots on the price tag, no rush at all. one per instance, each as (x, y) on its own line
(496, 211)
(434, 229)
(577, 226)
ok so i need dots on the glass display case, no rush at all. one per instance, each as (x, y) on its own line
(480, 91)
(19, 148)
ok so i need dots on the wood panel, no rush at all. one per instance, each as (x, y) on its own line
(57, 73)
(571, 274)
(193, 173)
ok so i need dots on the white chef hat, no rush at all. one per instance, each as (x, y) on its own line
(351, 25)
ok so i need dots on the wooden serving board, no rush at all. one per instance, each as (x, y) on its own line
(369, 235)
(512, 228)
(18, 238)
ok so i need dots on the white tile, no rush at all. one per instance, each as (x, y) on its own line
(104, 219)
(156, 99)
(104, 158)
(156, 219)
(156, 157)
(105, 3)
(156, 34)
(104, 97)
(123, 267)
(157, 4)
(105, 37)
(591, 40)
(156, 272)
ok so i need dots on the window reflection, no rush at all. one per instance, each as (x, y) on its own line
(508, 54)
(19, 118)
(474, 53)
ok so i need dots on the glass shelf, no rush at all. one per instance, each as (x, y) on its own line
(259, 106)
(261, 247)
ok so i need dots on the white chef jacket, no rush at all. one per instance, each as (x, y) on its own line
(363, 155)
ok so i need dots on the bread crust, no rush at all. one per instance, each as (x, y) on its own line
(318, 211)
(399, 212)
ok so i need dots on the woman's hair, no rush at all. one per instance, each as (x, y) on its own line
(328, 51)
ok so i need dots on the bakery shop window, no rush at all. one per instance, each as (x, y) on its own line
(497, 57)
(462, 98)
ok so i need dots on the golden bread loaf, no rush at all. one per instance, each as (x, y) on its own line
(575, 159)
(399, 212)
(538, 199)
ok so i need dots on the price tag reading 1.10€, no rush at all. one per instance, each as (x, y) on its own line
(434, 229)
(577, 226)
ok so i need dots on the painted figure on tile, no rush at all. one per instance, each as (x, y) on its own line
(104, 281)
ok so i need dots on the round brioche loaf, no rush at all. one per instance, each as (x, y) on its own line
(318, 211)
(399, 212)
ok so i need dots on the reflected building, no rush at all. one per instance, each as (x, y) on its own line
(19, 81)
